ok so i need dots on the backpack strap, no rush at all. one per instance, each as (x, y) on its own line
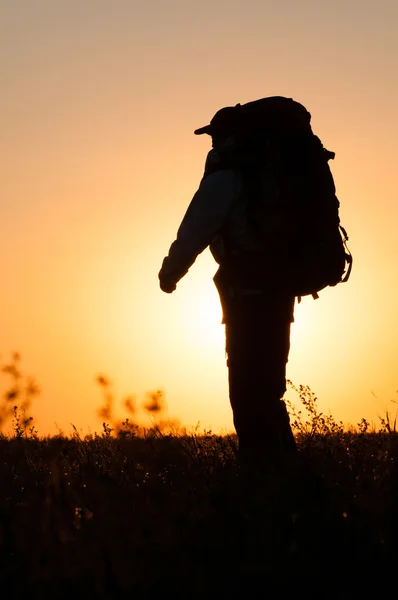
(348, 255)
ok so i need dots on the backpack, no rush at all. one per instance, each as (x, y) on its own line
(292, 207)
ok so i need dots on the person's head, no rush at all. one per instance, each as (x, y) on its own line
(222, 128)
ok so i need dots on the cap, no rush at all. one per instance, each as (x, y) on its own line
(224, 121)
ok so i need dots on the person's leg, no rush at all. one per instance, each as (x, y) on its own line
(257, 345)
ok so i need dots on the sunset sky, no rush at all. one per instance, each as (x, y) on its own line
(99, 162)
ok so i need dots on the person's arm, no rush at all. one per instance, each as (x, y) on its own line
(205, 216)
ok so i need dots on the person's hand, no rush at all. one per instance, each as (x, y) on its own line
(167, 283)
(167, 286)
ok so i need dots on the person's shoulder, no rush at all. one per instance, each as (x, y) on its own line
(222, 177)
(222, 186)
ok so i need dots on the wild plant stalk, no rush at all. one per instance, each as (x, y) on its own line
(17, 400)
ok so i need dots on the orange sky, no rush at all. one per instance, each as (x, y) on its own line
(99, 163)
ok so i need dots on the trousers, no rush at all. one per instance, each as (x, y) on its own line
(257, 331)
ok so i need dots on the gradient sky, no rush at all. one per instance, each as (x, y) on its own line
(99, 162)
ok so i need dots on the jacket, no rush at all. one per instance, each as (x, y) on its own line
(217, 211)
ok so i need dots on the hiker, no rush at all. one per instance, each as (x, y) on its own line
(236, 212)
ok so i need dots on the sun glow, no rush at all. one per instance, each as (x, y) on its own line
(201, 317)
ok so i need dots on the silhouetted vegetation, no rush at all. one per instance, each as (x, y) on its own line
(145, 511)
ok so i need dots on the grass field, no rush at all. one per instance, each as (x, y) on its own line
(106, 517)
(122, 515)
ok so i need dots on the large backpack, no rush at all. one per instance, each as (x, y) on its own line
(292, 205)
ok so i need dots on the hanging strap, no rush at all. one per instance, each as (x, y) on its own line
(348, 255)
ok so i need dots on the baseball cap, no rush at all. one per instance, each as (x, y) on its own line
(224, 121)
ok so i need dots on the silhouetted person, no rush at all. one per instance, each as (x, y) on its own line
(257, 316)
